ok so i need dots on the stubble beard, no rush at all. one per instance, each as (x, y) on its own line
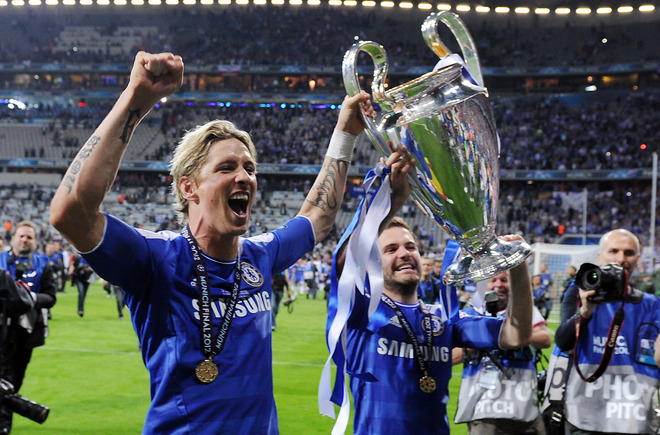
(403, 288)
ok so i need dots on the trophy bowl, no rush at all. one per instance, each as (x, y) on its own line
(445, 120)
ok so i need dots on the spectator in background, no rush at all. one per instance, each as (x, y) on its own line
(116, 292)
(570, 276)
(546, 278)
(300, 284)
(28, 331)
(310, 273)
(280, 285)
(426, 291)
(324, 277)
(437, 267)
(81, 273)
(54, 253)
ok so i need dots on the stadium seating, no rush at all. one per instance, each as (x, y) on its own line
(613, 130)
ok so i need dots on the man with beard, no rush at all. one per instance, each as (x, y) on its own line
(399, 357)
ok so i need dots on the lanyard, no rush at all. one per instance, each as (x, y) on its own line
(422, 363)
(212, 346)
(610, 344)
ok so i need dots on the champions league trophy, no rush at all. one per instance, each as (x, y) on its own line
(445, 120)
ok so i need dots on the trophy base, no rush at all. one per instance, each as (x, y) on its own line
(499, 256)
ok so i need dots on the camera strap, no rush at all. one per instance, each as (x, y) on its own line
(610, 343)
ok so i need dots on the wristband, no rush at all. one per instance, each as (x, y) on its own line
(341, 146)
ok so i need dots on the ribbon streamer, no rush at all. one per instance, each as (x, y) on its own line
(362, 271)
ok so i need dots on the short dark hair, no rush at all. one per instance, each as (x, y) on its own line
(397, 222)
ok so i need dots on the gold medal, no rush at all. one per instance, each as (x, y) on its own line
(207, 371)
(427, 384)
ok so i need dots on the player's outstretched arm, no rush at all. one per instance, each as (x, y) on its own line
(75, 208)
(324, 198)
(401, 163)
(517, 327)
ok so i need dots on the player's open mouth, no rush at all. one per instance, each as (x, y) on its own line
(238, 202)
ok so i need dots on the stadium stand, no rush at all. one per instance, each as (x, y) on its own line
(255, 66)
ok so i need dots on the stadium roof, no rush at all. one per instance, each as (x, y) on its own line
(559, 7)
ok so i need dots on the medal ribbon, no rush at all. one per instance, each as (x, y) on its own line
(209, 348)
(410, 333)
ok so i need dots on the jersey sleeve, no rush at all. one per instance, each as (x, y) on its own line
(122, 254)
(294, 239)
(477, 332)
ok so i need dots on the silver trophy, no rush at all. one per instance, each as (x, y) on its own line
(445, 120)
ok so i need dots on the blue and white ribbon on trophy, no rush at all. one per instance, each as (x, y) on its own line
(362, 255)
(452, 59)
(448, 294)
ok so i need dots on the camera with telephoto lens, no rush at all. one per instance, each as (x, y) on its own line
(15, 300)
(20, 405)
(609, 281)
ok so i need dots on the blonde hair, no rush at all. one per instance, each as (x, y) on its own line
(190, 155)
(28, 223)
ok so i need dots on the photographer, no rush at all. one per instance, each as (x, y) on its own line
(617, 395)
(541, 297)
(26, 331)
(497, 393)
(54, 253)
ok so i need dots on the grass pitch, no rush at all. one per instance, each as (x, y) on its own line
(90, 372)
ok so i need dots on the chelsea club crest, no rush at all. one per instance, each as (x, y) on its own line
(437, 324)
(251, 275)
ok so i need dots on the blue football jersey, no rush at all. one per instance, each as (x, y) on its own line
(157, 273)
(35, 268)
(384, 374)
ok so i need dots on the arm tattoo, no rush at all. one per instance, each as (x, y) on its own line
(76, 165)
(131, 122)
(326, 195)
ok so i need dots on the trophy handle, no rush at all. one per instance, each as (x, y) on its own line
(460, 32)
(352, 78)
